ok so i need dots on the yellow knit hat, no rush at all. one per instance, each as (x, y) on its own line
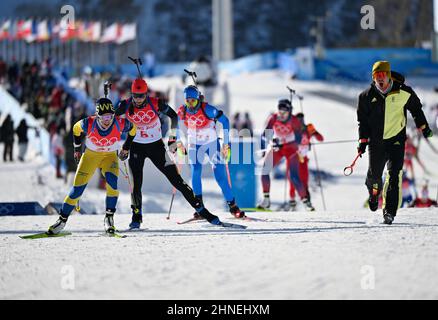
(382, 66)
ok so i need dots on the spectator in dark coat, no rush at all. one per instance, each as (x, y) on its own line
(7, 134)
(22, 139)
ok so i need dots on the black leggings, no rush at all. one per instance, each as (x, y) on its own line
(392, 155)
(157, 152)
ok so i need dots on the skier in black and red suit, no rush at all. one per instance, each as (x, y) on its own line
(144, 112)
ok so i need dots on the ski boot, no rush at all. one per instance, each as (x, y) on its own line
(373, 201)
(388, 217)
(235, 210)
(308, 204)
(292, 206)
(216, 222)
(109, 222)
(266, 203)
(284, 207)
(137, 218)
(196, 215)
(58, 226)
(205, 214)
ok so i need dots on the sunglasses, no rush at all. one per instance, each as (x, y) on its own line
(139, 95)
(380, 75)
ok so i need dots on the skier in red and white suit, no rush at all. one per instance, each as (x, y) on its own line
(309, 132)
(286, 133)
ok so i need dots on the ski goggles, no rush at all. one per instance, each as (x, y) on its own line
(380, 75)
(283, 113)
(191, 103)
(284, 107)
(139, 95)
(106, 117)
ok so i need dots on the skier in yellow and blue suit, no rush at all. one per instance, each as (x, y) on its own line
(103, 132)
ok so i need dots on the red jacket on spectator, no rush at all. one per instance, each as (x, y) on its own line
(56, 98)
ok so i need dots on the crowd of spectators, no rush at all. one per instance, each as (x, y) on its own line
(37, 90)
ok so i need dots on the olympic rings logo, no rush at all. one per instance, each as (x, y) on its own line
(6, 209)
(104, 142)
(143, 117)
(282, 129)
(194, 121)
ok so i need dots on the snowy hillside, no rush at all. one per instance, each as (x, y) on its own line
(342, 253)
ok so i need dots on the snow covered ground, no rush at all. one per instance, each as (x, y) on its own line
(336, 255)
(341, 253)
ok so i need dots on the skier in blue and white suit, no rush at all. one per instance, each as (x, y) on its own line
(199, 118)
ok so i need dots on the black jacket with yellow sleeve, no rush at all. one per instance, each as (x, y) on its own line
(384, 117)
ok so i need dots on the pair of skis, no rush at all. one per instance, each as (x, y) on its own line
(232, 225)
(42, 235)
(65, 234)
(222, 224)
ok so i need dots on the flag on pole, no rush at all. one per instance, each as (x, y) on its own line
(68, 31)
(43, 33)
(128, 33)
(24, 29)
(18, 27)
(96, 31)
(111, 33)
(56, 29)
(5, 30)
(32, 36)
(84, 31)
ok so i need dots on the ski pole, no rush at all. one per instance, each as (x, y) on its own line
(286, 179)
(193, 75)
(179, 168)
(171, 203)
(319, 178)
(228, 174)
(291, 92)
(301, 98)
(431, 145)
(315, 144)
(334, 142)
(126, 175)
(138, 63)
(106, 86)
(348, 171)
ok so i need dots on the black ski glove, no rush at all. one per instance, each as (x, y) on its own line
(77, 154)
(172, 144)
(276, 146)
(427, 133)
(362, 147)
(123, 154)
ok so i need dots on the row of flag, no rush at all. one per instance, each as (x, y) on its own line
(44, 30)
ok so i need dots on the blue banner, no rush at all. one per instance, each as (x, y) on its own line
(21, 209)
(242, 172)
(356, 64)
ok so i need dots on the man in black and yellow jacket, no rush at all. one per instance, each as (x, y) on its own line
(382, 118)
